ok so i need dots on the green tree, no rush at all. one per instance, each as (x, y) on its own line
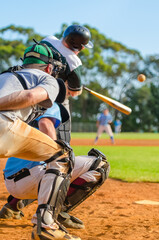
(142, 118)
(13, 42)
(109, 68)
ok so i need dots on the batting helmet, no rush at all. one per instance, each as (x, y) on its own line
(76, 37)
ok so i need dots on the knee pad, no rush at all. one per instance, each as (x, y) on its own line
(100, 164)
(57, 183)
(96, 153)
(82, 189)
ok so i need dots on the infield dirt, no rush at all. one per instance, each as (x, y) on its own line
(110, 213)
(118, 142)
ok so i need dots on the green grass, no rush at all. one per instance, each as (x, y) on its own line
(132, 164)
(117, 136)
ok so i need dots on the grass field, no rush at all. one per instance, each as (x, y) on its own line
(117, 136)
(132, 164)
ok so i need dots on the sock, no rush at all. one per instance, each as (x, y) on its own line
(78, 181)
(13, 203)
(96, 139)
(112, 139)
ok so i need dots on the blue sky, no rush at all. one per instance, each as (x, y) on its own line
(135, 23)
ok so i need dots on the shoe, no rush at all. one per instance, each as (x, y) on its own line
(8, 213)
(50, 234)
(69, 221)
(96, 140)
(112, 140)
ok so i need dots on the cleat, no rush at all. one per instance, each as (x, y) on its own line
(7, 212)
(69, 221)
(50, 234)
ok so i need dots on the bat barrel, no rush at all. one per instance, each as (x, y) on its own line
(113, 103)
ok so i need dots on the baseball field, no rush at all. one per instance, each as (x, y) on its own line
(125, 207)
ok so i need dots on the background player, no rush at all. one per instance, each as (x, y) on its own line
(117, 126)
(103, 124)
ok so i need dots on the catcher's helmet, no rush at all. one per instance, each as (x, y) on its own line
(76, 37)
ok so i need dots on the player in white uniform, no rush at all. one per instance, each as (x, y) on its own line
(75, 38)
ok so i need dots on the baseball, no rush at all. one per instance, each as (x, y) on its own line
(141, 77)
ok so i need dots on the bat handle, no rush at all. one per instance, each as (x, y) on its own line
(87, 89)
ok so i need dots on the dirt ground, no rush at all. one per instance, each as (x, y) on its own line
(118, 142)
(110, 213)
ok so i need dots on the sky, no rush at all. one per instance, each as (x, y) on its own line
(134, 23)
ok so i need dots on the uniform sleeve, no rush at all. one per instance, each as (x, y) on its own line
(110, 118)
(52, 113)
(51, 86)
(99, 117)
(74, 79)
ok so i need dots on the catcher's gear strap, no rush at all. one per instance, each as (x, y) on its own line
(104, 171)
(100, 157)
(95, 164)
(20, 78)
(97, 153)
(65, 148)
(55, 156)
(64, 144)
(37, 111)
(87, 189)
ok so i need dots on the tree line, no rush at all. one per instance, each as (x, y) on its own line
(110, 68)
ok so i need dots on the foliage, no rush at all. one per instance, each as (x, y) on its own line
(110, 68)
(13, 42)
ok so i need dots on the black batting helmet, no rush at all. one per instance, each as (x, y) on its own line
(76, 37)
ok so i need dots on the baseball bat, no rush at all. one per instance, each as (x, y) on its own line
(113, 103)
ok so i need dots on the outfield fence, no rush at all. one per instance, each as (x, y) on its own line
(83, 127)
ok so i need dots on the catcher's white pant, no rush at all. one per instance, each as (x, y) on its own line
(27, 187)
(106, 128)
(20, 140)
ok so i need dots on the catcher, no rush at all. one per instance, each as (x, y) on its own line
(88, 174)
(25, 95)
